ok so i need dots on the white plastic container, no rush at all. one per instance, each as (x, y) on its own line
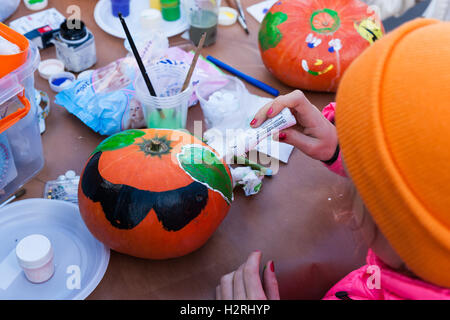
(21, 155)
(225, 114)
(35, 255)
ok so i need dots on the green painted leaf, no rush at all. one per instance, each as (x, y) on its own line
(119, 140)
(205, 167)
(269, 35)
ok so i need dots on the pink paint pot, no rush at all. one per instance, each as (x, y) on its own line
(35, 256)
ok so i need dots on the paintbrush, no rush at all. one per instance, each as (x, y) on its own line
(193, 64)
(151, 90)
(241, 17)
(17, 195)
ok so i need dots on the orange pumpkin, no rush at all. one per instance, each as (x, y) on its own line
(154, 193)
(308, 44)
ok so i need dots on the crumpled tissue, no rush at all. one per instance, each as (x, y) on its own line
(249, 179)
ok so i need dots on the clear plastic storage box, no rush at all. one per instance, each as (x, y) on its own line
(21, 155)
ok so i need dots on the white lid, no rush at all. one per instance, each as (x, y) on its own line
(85, 74)
(34, 251)
(58, 88)
(227, 16)
(151, 19)
(151, 15)
(70, 174)
(49, 67)
(36, 6)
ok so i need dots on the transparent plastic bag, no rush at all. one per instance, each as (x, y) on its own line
(105, 99)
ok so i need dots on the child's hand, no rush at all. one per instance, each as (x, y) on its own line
(314, 135)
(245, 283)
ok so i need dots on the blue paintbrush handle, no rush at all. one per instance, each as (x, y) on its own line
(247, 78)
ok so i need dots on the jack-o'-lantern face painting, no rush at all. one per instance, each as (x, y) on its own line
(308, 44)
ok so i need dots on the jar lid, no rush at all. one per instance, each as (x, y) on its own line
(60, 81)
(36, 5)
(34, 251)
(151, 19)
(73, 30)
(49, 67)
(227, 16)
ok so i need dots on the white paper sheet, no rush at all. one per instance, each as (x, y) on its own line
(259, 10)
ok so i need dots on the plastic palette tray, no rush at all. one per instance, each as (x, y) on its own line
(80, 259)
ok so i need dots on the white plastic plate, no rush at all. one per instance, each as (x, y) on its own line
(110, 24)
(80, 259)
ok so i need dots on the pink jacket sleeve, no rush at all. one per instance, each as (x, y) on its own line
(377, 281)
(337, 166)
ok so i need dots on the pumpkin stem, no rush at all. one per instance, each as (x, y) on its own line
(156, 146)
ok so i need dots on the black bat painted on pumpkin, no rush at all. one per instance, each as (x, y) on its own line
(125, 206)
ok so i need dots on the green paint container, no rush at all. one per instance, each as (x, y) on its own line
(170, 9)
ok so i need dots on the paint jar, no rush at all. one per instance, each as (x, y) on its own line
(169, 108)
(75, 46)
(120, 6)
(170, 9)
(35, 256)
(203, 17)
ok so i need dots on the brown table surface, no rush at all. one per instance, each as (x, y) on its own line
(289, 220)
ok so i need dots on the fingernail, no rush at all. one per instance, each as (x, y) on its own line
(270, 111)
(253, 122)
(272, 266)
(282, 136)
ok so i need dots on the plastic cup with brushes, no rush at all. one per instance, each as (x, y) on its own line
(165, 106)
(168, 109)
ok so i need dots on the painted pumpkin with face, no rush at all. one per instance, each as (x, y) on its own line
(154, 193)
(308, 44)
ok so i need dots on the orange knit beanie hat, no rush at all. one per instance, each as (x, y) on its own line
(393, 122)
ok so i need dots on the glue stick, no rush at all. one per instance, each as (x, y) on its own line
(247, 140)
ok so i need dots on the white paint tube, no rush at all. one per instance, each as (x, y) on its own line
(250, 138)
